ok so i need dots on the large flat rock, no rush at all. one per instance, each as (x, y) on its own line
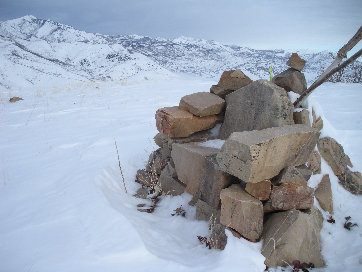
(253, 156)
(241, 212)
(293, 235)
(196, 167)
(202, 104)
(174, 122)
(259, 105)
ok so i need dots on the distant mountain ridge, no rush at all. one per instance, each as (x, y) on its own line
(36, 48)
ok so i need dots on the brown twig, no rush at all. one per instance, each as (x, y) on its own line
(120, 168)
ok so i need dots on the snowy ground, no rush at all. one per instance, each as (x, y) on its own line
(63, 206)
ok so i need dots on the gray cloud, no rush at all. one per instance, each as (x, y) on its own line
(307, 24)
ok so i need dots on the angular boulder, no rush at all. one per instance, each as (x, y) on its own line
(291, 80)
(196, 167)
(296, 62)
(174, 122)
(242, 212)
(302, 117)
(314, 162)
(290, 174)
(230, 81)
(202, 104)
(291, 196)
(259, 105)
(333, 153)
(292, 235)
(323, 194)
(253, 156)
(260, 190)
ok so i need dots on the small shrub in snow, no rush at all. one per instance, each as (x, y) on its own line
(348, 225)
(331, 220)
(179, 211)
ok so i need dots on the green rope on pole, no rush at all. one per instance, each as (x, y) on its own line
(271, 74)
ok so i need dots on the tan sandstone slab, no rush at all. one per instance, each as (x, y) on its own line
(242, 212)
(293, 235)
(197, 168)
(323, 194)
(202, 104)
(253, 156)
(174, 122)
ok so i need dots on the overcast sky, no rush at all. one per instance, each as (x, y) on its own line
(266, 24)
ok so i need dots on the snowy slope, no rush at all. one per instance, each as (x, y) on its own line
(62, 203)
(63, 206)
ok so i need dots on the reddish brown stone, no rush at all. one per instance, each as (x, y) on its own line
(291, 196)
(174, 122)
(260, 190)
(296, 62)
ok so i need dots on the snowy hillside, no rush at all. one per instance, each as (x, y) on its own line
(63, 206)
(30, 44)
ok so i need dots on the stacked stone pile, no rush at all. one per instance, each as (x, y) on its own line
(255, 183)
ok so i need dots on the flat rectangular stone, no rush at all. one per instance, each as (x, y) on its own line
(253, 156)
(202, 104)
(174, 122)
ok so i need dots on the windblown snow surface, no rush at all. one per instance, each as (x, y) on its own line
(63, 206)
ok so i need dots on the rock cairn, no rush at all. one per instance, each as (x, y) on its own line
(255, 182)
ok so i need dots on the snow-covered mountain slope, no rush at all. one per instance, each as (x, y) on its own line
(31, 49)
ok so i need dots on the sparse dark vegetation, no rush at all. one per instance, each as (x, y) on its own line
(348, 225)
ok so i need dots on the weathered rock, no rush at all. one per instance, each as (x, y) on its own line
(293, 235)
(196, 166)
(296, 62)
(174, 122)
(314, 162)
(146, 178)
(305, 171)
(259, 105)
(290, 174)
(351, 181)
(302, 117)
(156, 162)
(214, 181)
(291, 80)
(218, 238)
(349, 162)
(230, 81)
(323, 194)
(160, 139)
(207, 213)
(260, 190)
(242, 212)
(291, 196)
(253, 156)
(169, 184)
(333, 153)
(202, 104)
(190, 164)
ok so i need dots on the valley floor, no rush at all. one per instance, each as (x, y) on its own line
(63, 206)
